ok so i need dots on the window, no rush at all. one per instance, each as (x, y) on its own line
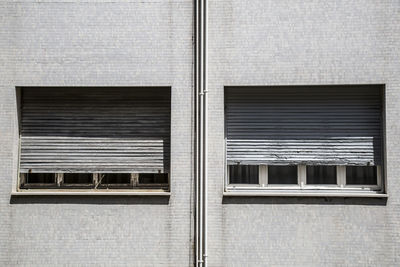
(89, 181)
(357, 175)
(304, 138)
(38, 180)
(305, 177)
(282, 174)
(321, 175)
(94, 138)
(111, 180)
(153, 178)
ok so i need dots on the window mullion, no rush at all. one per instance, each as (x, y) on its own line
(134, 179)
(263, 175)
(96, 180)
(227, 175)
(59, 179)
(341, 176)
(379, 176)
(302, 173)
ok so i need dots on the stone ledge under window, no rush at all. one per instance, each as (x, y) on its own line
(303, 193)
(90, 193)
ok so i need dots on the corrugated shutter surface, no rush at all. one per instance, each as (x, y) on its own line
(331, 125)
(95, 130)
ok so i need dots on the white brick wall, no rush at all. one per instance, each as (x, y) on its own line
(97, 43)
(290, 42)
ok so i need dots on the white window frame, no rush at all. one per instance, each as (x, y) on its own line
(302, 187)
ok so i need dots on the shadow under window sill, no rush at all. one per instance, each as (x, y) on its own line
(90, 197)
(304, 197)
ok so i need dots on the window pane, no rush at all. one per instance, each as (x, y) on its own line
(78, 178)
(321, 175)
(40, 178)
(115, 178)
(361, 175)
(282, 174)
(243, 174)
(153, 178)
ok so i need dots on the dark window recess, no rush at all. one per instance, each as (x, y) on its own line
(321, 175)
(115, 178)
(78, 178)
(359, 175)
(153, 178)
(87, 180)
(282, 174)
(40, 178)
(243, 174)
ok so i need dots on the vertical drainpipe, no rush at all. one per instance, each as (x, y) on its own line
(197, 148)
(205, 86)
(201, 102)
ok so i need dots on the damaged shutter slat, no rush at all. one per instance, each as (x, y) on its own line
(316, 125)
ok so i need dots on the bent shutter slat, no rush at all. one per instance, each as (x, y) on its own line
(331, 125)
(95, 130)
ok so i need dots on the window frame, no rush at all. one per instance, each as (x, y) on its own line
(302, 186)
(54, 189)
(374, 191)
(95, 186)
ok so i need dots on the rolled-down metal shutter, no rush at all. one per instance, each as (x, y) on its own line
(95, 130)
(317, 125)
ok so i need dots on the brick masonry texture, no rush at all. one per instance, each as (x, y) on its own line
(149, 43)
(97, 43)
(290, 42)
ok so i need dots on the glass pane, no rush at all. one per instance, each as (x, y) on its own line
(282, 174)
(321, 175)
(78, 178)
(361, 175)
(40, 178)
(153, 178)
(115, 178)
(243, 174)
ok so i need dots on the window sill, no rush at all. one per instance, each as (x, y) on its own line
(303, 193)
(90, 193)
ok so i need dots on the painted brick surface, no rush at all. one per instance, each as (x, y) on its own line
(262, 42)
(97, 43)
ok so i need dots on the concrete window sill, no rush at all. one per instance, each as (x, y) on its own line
(287, 193)
(88, 193)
